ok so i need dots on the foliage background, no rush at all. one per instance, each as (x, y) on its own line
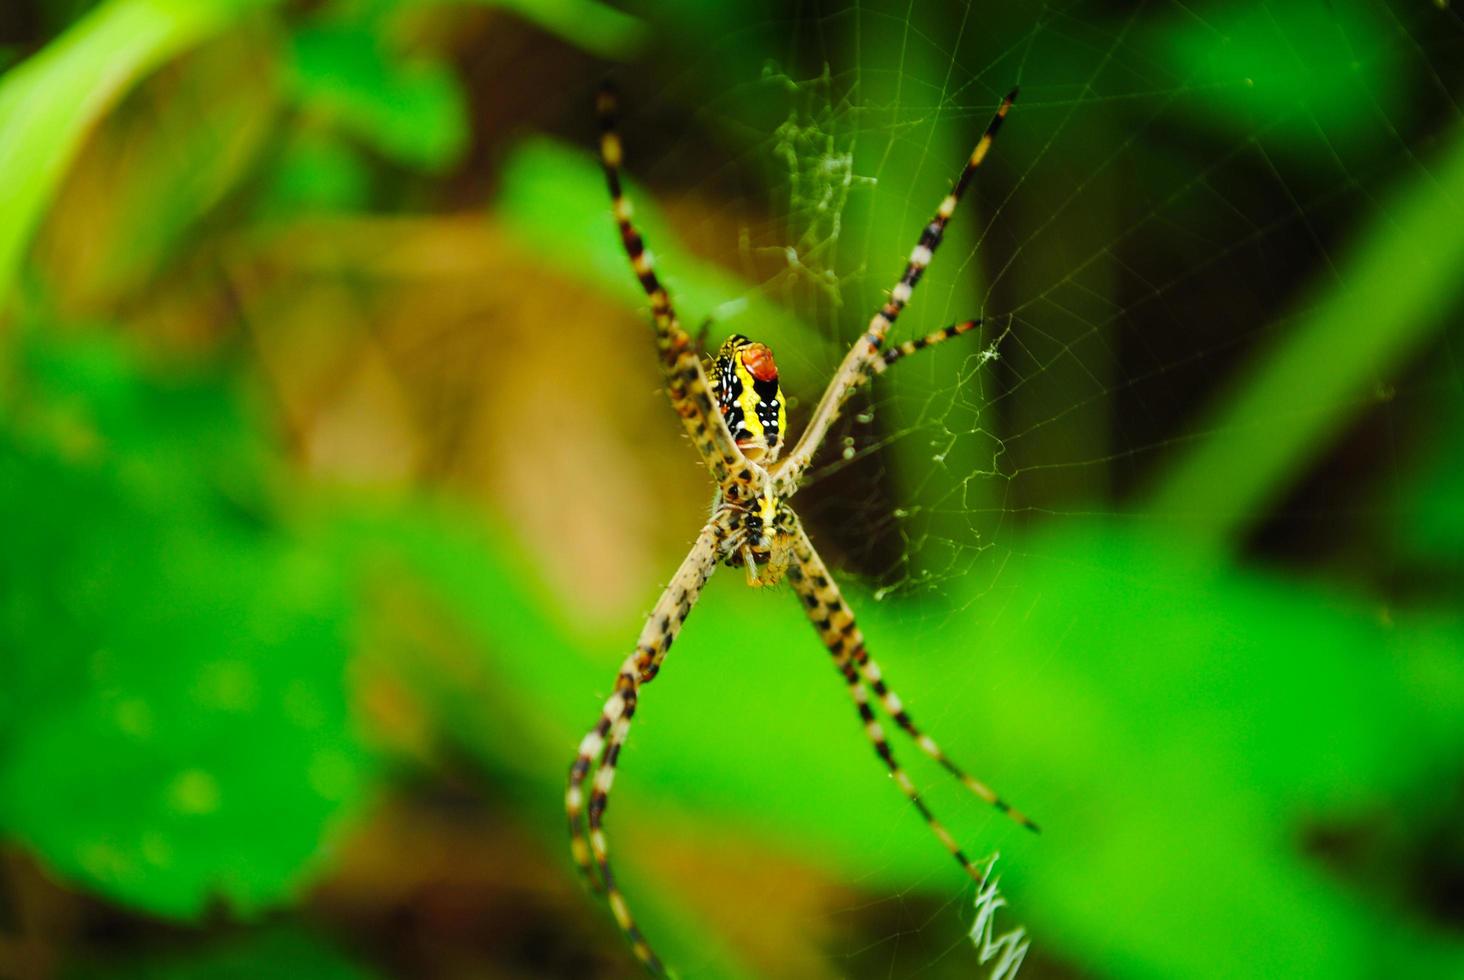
(335, 483)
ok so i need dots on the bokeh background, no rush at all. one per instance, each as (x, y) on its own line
(335, 482)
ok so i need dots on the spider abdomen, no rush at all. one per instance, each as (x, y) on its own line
(750, 397)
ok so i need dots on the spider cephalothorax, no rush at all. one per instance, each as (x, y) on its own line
(760, 534)
(737, 421)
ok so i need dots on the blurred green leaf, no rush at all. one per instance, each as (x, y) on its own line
(591, 26)
(280, 954)
(1431, 518)
(1312, 64)
(169, 167)
(60, 14)
(317, 171)
(48, 103)
(1378, 303)
(411, 110)
(1209, 718)
(175, 726)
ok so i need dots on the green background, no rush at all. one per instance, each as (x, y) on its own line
(335, 484)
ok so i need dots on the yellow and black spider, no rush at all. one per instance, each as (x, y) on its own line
(738, 423)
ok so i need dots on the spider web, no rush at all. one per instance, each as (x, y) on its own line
(864, 152)
(1176, 199)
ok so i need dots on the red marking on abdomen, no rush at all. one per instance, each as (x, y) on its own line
(759, 360)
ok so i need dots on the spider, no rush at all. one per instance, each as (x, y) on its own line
(736, 418)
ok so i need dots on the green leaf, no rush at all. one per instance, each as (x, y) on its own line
(1377, 305)
(48, 103)
(174, 723)
(1431, 520)
(594, 27)
(1209, 718)
(1326, 67)
(317, 171)
(412, 111)
(164, 171)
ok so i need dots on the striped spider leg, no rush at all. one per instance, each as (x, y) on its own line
(686, 381)
(737, 420)
(837, 629)
(602, 744)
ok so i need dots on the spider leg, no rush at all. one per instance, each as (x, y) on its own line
(831, 616)
(749, 563)
(604, 741)
(920, 343)
(686, 380)
(863, 357)
(890, 701)
(805, 577)
(627, 689)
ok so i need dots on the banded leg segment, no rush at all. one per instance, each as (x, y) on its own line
(836, 628)
(890, 701)
(863, 357)
(834, 620)
(603, 742)
(628, 687)
(686, 381)
(930, 237)
(875, 733)
(920, 343)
